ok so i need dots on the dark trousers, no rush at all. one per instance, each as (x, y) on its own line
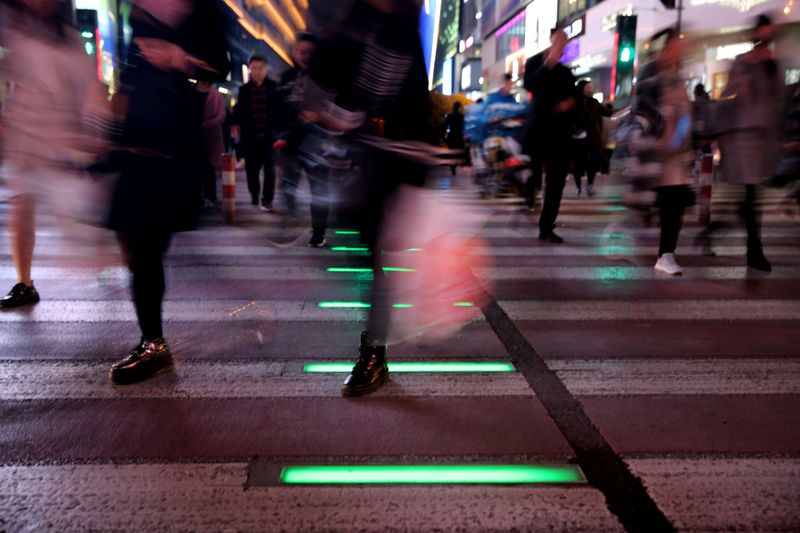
(255, 160)
(671, 206)
(586, 162)
(555, 168)
(145, 255)
(317, 182)
(210, 183)
(750, 215)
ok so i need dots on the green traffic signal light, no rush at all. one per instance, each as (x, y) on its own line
(626, 54)
(89, 47)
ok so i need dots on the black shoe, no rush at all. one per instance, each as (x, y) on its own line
(369, 372)
(20, 295)
(551, 237)
(147, 359)
(757, 260)
(317, 238)
(703, 242)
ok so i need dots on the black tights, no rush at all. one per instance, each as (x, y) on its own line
(145, 255)
(671, 205)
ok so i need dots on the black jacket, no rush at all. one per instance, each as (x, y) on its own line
(243, 115)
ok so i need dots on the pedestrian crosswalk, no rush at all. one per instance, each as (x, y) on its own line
(693, 380)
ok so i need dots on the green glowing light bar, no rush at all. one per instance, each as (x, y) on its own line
(414, 250)
(430, 474)
(464, 304)
(347, 232)
(402, 306)
(350, 249)
(343, 305)
(355, 270)
(439, 367)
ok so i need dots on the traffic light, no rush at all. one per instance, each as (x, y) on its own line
(86, 20)
(624, 60)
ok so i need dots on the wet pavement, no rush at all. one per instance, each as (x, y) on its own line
(678, 398)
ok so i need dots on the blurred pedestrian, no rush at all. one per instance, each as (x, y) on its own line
(213, 119)
(46, 138)
(256, 116)
(295, 122)
(788, 172)
(454, 131)
(375, 67)
(661, 92)
(749, 145)
(551, 131)
(588, 144)
(162, 155)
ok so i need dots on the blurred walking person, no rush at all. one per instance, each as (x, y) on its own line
(46, 139)
(214, 114)
(162, 155)
(661, 94)
(255, 116)
(454, 131)
(375, 67)
(295, 122)
(749, 145)
(551, 131)
(588, 142)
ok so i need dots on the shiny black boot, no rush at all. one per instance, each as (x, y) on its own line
(369, 372)
(147, 359)
(20, 295)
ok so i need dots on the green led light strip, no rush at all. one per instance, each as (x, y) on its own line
(343, 305)
(346, 232)
(444, 366)
(350, 249)
(355, 270)
(430, 474)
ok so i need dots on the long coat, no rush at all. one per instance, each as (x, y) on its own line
(752, 101)
(162, 144)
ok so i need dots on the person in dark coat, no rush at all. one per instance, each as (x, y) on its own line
(550, 132)
(588, 140)
(294, 86)
(256, 116)
(161, 156)
(375, 67)
(454, 131)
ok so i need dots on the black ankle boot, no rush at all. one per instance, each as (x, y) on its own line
(757, 260)
(369, 372)
(147, 359)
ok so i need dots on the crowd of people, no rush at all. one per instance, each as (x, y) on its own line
(161, 136)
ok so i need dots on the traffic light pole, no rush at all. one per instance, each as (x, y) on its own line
(680, 15)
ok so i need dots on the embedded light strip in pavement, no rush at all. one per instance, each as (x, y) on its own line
(347, 232)
(349, 249)
(365, 305)
(430, 474)
(438, 367)
(362, 270)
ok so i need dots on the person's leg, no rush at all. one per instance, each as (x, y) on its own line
(269, 178)
(292, 173)
(145, 255)
(320, 198)
(671, 208)
(751, 216)
(555, 178)
(211, 184)
(23, 235)
(23, 238)
(252, 164)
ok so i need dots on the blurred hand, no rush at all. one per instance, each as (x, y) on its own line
(308, 117)
(236, 134)
(564, 106)
(160, 53)
(280, 144)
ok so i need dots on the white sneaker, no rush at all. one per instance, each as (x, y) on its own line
(667, 264)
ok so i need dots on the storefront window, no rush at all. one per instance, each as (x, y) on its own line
(511, 37)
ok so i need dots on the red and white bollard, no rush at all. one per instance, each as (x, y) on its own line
(705, 179)
(229, 188)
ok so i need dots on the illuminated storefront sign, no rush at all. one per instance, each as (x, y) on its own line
(576, 28)
(741, 5)
(730, 51)
(540, 17)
